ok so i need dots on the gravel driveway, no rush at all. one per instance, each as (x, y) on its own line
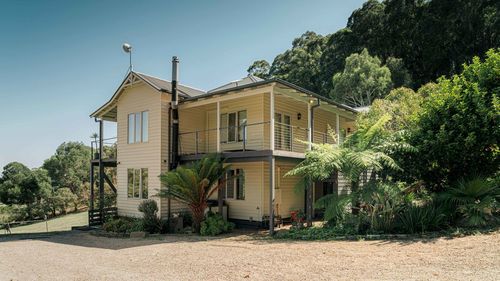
(81, 256)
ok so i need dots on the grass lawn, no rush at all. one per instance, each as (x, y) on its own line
(61, 223)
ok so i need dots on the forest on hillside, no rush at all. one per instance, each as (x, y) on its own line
(388, 44)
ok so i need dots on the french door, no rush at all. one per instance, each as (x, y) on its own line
(282, 132)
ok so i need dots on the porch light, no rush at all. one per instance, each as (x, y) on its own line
(299, 116)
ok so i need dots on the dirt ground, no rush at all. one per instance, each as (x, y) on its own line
(244, 256)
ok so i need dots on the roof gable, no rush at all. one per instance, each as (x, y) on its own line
(108, 110)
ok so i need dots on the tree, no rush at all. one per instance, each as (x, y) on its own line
(11, 183)
(69, 166)
(193, 184)
(300, 64)
(338, 47)
(260, 68)
(20, 185)
(401, 104)
(363, 80)
(400, 75)
(457, 131)
(366, 149)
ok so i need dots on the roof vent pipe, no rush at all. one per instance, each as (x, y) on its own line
(175, 116)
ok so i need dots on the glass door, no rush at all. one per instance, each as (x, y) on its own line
(282, 132)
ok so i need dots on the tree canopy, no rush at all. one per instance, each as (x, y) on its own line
(363, 80)
(419, 41)
(457, 131)
(69, 166)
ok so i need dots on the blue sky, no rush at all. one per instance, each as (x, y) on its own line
(60, 60)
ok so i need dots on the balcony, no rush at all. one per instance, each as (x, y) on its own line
(250, 137)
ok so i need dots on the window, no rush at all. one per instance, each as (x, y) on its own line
(230, 184)
(145, 126)
(138, 127)
(233, 126)
(137, 183)
(240, 184)
(235, 185)
(131, 128)
(242, 125)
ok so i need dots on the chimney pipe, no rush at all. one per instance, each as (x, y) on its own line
(174, 142)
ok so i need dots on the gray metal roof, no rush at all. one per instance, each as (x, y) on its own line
(164, 85)
(250, 79)
(261, 82)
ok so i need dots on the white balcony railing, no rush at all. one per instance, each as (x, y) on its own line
(250, 137)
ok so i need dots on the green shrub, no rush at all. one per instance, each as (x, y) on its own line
(123, 225)
(318, 233)
(151, 222)
(215, 225)
(415, 219)
(474, 201)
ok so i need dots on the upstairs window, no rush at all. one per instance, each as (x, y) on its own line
(233, 125)
(138, 127)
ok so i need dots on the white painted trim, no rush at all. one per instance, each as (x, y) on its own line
(309, 126)
(271, 118)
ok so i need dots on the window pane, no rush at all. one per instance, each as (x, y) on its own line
(287, 132)
(240, 184)
(144, 178)
(130, 180)
(223, 128)
(145, 124)
(137, 127)
(230, 184)
(231, 133)
(242, 122)
(131, 128)
(137, 180)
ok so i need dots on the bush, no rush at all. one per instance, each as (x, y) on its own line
(414, 219)
(123, 225)
(150, 221)
(215, 225)
(320, 233)
(474, 200)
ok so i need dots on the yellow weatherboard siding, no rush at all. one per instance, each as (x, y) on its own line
(138, 98)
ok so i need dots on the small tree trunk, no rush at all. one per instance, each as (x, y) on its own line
(198, 216)
(355, 201)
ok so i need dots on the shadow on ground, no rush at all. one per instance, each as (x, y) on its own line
(90, 239)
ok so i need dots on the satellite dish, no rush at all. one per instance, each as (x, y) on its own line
(127, 48)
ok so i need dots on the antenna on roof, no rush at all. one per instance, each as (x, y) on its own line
(127, 48)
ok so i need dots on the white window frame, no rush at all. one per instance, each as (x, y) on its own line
(141, 183)
(235, 128)
(238, 177)
(138, 136)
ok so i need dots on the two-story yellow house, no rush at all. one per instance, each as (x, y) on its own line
(260, 126)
